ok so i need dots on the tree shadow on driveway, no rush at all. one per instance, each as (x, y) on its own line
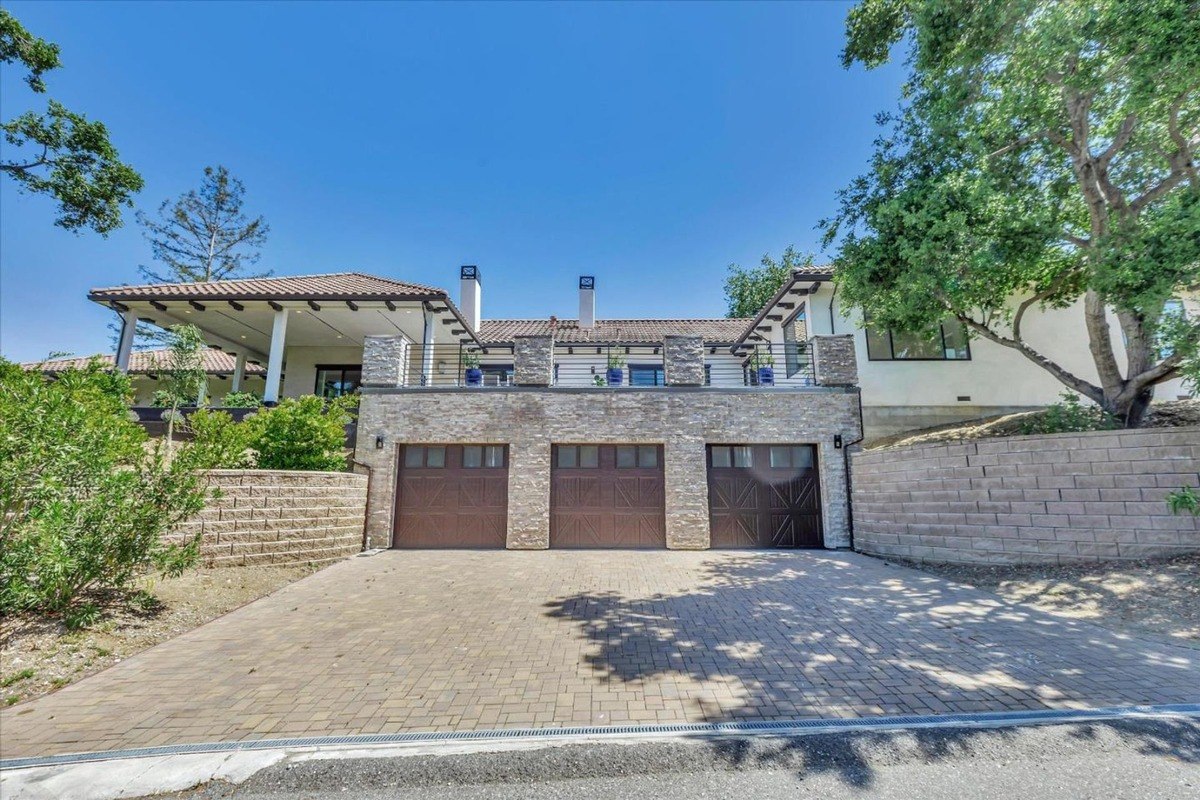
(787, 636)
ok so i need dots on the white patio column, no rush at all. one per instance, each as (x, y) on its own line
(239, 371)
(203, 392)
(427, 353)
(275, 358)
(125, 342)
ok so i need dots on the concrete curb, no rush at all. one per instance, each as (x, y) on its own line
(134, 773)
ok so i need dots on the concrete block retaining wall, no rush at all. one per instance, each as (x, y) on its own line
(280, 517)
(1029, 499)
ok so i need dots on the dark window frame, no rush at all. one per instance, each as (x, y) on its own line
(343, 368)
(734, 449)
(506, 370)
(892, 346)
(423, 449)
(483, 456)
(659, 371)
(793, 364)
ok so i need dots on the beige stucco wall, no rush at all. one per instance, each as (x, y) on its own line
(682, 420)
(144, 388)
(1029, 499)
(300, 366)
(995, 378)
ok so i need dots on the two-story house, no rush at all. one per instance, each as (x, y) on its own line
(599, 432)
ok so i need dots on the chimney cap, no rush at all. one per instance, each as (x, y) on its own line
(469, 272)
(587, 282)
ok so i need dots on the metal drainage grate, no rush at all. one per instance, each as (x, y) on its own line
(713, 729)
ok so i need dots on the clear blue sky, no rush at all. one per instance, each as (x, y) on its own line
(648, 144)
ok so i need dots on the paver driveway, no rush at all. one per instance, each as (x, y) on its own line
(456, 640)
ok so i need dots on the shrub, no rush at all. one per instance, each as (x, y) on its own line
(306, 433)
(84, 499)
(241, 400)
(1185, 499)
(218, 442)
(1070, 416)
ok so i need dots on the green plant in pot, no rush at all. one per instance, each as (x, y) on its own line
(471, 370)
(615, 374)
(764, 365)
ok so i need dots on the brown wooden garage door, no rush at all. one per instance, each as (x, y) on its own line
(452, 495)
(764, 496)
(604, 495)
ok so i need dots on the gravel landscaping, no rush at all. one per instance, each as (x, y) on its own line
(1160, 597)
(41, 655)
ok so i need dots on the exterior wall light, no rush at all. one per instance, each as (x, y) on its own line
(379, 442)
(837, 441)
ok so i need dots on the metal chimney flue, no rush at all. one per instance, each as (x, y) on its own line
(470, 295)
(587, 302)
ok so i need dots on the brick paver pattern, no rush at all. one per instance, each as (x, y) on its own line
(444, 640)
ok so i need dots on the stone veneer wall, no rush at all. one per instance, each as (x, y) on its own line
(385, 360)
(533, 360)
(682, 420)
(834, 360)
(1029, 499)
(280, 517)
(683, 360)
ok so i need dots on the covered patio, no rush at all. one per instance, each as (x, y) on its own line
(307, 331)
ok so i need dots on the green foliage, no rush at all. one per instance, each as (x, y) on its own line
(241, 400)
(18, 45)
(219, 442)
(1070, 415)
(84, 499)
(616, 361)
(1043, 154)
(80, 616)
(17, 677)
(307, 433)
(759, 359)
(748, 290)
(60, 153)
(183, 374)
(163, 399)
(203, 235)
(470, 360)
(145, 602)
(1184, 500)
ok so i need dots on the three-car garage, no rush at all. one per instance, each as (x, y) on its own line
(607, 496)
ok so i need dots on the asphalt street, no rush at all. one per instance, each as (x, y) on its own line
(1142, 759)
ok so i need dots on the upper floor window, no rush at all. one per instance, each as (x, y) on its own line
(795, 343)
(497, 374)
(948, 344)
(335, 380)
(646, 375)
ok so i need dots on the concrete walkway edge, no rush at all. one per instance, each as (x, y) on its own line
(145, 771)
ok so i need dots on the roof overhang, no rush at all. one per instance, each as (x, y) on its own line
(792, 287)
(241, 321)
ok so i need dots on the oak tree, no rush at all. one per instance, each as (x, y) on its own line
(58, 152)
(1043, 155)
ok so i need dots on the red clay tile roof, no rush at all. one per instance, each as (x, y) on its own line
(144, 361)
(334, 286)
(624, 331)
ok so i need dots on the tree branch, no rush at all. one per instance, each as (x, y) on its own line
(1122, 137)
(1088, 390)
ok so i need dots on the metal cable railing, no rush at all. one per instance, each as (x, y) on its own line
(601, 366)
